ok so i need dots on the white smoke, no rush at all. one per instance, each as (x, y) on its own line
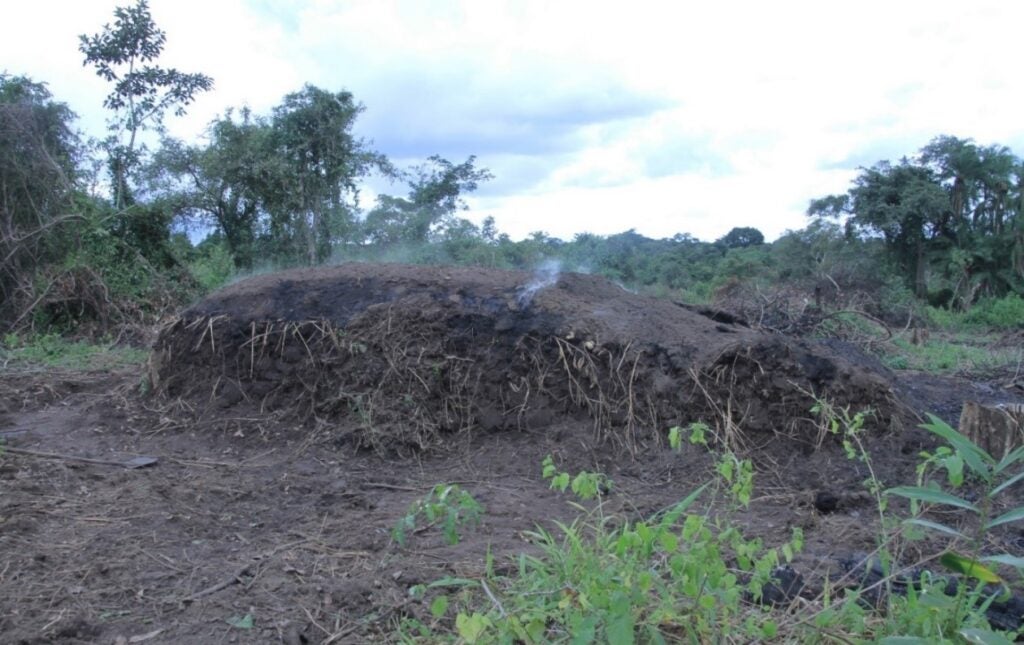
(544, 276)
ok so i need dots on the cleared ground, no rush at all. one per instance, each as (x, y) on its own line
(295, 418)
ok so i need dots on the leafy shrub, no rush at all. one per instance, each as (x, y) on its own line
(213, 266)
(1000, 313)
(993, 313)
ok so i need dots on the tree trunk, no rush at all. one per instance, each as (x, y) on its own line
(920, 281)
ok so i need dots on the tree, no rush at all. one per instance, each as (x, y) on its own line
(321, 163)
(955, 210)
(906, 205)
(224, 183)
(741, 237)
(436, 193)
(957, 166)
(39, 155)
(142, 92)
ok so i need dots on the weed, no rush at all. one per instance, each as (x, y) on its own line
(446, 504)
(737, 474)
(675, 576)
(988, 313)
(53, 350)
(698, 435)
(585, 485)
(994, 477)
(684, 576)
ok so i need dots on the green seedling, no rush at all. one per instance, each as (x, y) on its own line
(447, 505)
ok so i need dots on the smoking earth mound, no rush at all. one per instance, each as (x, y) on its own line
(396, 357)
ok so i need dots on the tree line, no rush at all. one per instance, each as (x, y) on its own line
(93, 233)
(950, 217)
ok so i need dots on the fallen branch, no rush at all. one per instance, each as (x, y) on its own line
(85, 460)
(236, 578)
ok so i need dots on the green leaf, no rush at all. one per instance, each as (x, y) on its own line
(245, 622)
(932, 496)
(439, 607)
(549, 467)
(471, 627)
(1005, 518)
(620, 619)
(974, 456)
(560, 482)
(674, 513)
(936, 526)
(668, 541)
(984, 636)
(1005, 558)
(1009, 459)
(904, 640)
(1006, 484)
(955, 468)
(675, 438)
(969, 567)
(453, 582)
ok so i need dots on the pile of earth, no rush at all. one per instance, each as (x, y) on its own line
(396, 357)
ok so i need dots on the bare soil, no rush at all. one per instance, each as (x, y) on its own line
(295, 417)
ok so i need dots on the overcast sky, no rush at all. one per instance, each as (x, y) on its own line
(666, 117)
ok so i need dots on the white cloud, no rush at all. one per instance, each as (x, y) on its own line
(664, 117)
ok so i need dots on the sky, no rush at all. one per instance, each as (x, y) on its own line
(663, 117)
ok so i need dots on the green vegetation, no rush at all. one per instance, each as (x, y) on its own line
(994, 476)
(954, 354)
(686, 575)
(53, 350)
(936, 239)
(447, 505)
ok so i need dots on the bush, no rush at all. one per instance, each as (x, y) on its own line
(992, 313)
(999, 313)
(212, 266)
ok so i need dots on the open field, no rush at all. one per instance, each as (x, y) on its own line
(288, 445)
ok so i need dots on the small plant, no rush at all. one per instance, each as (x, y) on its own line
(737, 474)
(678, 577)
(698, 435)
(446, 504)
(585, 485)
(994, 477)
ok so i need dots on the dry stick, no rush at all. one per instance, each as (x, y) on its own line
(336, 636)
(318, 625)
(53, 455)
(236, 577)
(390, 486)
(497, 604)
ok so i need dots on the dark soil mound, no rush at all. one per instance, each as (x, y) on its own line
(397, 356)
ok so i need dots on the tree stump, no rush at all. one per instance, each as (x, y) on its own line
(997, 429)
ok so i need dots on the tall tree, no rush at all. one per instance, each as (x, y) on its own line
(223, 183)
(323, 161)
(904, 203)
(437, 191)
(123, 54)
(956, 208)
(742, 237)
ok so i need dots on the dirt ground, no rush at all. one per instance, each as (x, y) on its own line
(260, 512)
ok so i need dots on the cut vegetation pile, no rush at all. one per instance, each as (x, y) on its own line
(395, 357)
